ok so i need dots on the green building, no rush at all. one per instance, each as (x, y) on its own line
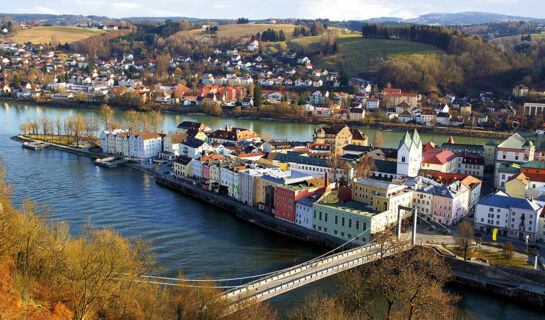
(348, 219)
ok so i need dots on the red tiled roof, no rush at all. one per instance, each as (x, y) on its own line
(437, 156)
(250, 155)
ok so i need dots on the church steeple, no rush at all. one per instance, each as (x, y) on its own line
(416, 137)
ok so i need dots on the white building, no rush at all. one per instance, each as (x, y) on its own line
(196, 168)
(145, 145)
(513, 150)
(230, 178)
(172, 143)
(372, 103)
(253, 46)
(513, 217)
(303, 213)
(119, 138)
(193, 147)
(423, 196)
(108, 140)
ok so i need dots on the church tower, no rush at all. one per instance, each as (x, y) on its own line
(409, 155)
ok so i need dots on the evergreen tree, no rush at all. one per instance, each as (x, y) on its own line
(15, 81)
(282, 36)
(258, 95)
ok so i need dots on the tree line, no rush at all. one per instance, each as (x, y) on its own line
(437, 36)
(270, 35)
(78, 130)
(315, 28)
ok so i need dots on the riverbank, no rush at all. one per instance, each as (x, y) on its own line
(379, 125)
(240, 210)
(519, 285)
(475, 280)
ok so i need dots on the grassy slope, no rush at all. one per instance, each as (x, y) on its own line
(247, 30)
(48, 33)
(535, 36)
(358, 54)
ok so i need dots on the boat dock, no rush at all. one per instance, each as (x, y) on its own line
(36, 146)
(109, 162)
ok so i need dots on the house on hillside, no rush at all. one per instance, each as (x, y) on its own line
(253, 46)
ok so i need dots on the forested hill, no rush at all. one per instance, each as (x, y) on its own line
(471, 63)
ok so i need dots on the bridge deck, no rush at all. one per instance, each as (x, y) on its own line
(289, 279)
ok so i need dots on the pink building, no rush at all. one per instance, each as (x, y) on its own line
(450, 203)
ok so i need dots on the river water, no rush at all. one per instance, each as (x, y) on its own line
(187, 235)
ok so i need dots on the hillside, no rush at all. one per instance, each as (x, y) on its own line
(354, 52)
(513, 40)
(238, 31)
(465, 18)
(52, 34)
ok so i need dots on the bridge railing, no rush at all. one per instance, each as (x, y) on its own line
(301, 267)
(316, 263)
(320, 274)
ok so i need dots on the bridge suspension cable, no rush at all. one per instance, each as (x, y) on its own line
(183, 281)
(262, 274)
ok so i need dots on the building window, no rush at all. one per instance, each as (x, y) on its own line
(336, 219)
(342, 221)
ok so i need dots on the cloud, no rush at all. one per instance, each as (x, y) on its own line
(125, 5)
(44, 10)
(351, 9)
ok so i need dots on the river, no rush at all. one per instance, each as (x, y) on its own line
(187, 235)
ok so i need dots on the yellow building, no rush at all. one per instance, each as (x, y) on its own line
(182, 166)
(358, 138)
(381, 195)
(261, 183)
(201, 136)
(516, 187)
(214, 172)
(465, 110)
(338, 136)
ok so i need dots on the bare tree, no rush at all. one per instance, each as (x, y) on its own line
(46, 125)
(508, 251)
(465, 237)
(378, 139)
(91, 128)
(134, 122)
(24, 128)
(408, 285)
(320, 307)
(78, 128)
(106, 114)
(365, 166)
(59, 126)
(335, 163)
(156, 120)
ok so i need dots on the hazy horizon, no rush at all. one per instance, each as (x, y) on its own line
(255, 9)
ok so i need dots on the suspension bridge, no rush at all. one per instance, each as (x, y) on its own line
(268, 285)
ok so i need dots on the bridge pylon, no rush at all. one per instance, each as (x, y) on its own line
(399, 220)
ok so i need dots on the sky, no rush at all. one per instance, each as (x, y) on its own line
(261, 9)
